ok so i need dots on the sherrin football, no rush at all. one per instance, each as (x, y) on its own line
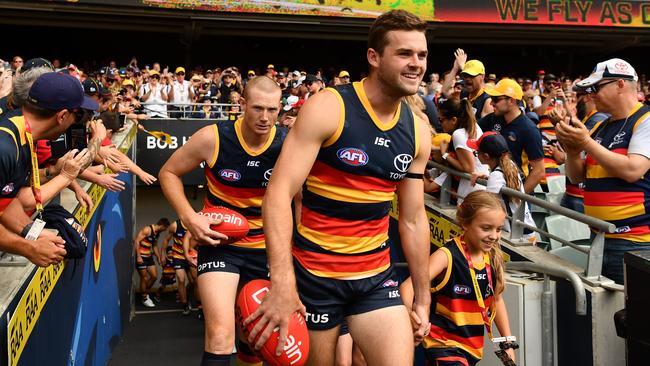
(233, 224)
(295, 350)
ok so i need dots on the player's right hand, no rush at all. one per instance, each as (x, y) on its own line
(46, 250)
(274, 312)
(199, 226)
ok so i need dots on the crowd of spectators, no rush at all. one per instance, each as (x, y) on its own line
(459, 106)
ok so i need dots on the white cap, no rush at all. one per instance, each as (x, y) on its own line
(291, 100)
(614, 68)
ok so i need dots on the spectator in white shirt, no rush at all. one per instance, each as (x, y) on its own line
(180, 93)
(154, 96)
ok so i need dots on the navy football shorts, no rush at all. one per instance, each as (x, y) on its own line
(146, 262)
(181, 264)
(329, 300)
(250, 264)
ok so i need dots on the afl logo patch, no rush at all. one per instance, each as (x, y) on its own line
(229, 175)
(8, 188)
(462, 290)
(402, 162)
(352, 156)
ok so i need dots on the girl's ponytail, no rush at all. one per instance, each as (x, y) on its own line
(510, 174)
(497, 263)
(467, 119)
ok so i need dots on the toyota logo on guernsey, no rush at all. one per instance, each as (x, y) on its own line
(402, 162)
(352, 156)
(267, 174)
(230, 175)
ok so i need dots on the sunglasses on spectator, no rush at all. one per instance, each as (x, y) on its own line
(81, 116)
(155, 77)
(498, 99)
(180, 73)
(594, 89)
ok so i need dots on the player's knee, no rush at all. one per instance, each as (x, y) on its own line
(219, 339)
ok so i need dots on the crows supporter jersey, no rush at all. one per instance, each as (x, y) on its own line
(237, 176)
(177, 245)
(613, 199)
(146, 245)
(590, 120)
(347, 195)
(456, 317)
(15, 155)
(547, 129)
(478, 103)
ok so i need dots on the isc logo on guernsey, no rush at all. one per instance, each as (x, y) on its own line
(352, 156)
(230, 175)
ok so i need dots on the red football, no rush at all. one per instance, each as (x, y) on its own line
(296, 349)
(233, 224)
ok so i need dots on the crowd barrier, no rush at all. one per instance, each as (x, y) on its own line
(74, 313)
(218, 111)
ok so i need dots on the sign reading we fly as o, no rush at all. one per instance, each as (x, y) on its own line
(605, 13)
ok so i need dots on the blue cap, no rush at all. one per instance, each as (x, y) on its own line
(56, 91)
(36, 62)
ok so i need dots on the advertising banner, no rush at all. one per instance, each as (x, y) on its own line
(339, 8)
(595, 13)
(153, 152)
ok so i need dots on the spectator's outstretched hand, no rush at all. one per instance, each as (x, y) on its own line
(460, 59)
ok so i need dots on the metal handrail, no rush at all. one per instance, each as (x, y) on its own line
(578, 287)
(191, 104)
(517, 225)
(186, 108)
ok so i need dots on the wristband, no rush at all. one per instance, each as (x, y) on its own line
(445, 155)
(26, 229)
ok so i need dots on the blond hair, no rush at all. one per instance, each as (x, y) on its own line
(466, 213)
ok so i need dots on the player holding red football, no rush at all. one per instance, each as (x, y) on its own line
(239, 160)
(352, 148)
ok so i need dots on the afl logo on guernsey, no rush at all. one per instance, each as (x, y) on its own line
(8, 188)
(352, 156)
(462, 290)
(230, 175)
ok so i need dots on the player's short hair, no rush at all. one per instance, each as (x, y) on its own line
(164, 222)
(391, 21)
(263, 83)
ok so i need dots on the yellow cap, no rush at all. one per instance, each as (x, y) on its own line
(128, 82)
(153, 72)
(270, 66)
(473, 68)
(438, 138)
(251, 72)
(505, 87)
(343, 74)
(179, 69)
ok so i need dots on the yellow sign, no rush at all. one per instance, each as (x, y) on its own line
(338, 8)
(33, 300)
(442, 230)
(29, 309)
